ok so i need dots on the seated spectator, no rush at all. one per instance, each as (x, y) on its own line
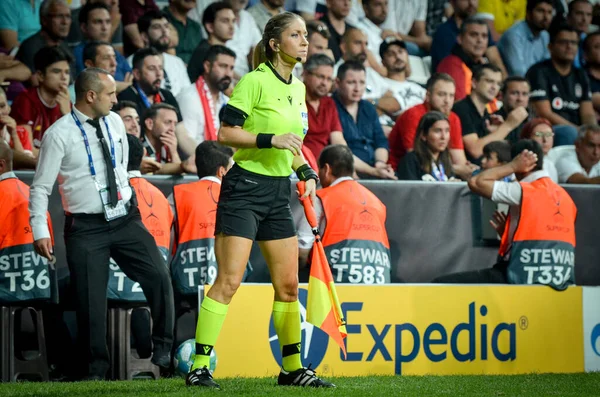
(323, 121)
(145, 90)
(340, 203)
(96, 25)
(360, 123)
(540, 130)
(515, 94)
(55, 19)
(445, 37)
(591, 47)
(466, 55)
(115, 35)
(579, 18)
(376, 12)
(354, 48)
(404, 94)
(264, 10)
(219, 22)
(195, 204)
(560, 92)
(439, 97)
(430, 160)
(533, 200)
(200, 103)
(473, 114)
(128, 112)
(14, 73)
(581, 163)
(147, 81)
(131, 11)
(154, 30)
(158, 126)
(318, 40)
(188, 30)
(15, 136)
(335, 20)
(526, 42)
(437, 12)
(245, 36)
(18, 23)
(407, 18)
(501, 14)
(38, 108)
(101, 54)
(495, 154)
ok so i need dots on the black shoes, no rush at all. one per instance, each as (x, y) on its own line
(303, 377)
(201, 377)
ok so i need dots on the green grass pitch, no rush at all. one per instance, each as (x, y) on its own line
(387, 386)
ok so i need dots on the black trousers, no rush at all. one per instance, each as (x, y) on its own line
(90, 241)
(494, 275)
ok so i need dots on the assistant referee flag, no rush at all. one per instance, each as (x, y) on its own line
(323, 306)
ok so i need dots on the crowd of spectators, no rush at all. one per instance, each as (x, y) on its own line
(494, 68)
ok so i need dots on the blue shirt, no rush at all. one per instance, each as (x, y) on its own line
(122, 65)
(444, 40)
(520, 49)
(18, 15)
(579, 61)
(364, 136)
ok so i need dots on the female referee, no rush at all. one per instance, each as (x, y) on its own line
(266, 119)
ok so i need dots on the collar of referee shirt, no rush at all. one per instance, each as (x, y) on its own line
(270, 65)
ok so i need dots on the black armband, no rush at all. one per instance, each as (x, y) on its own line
(263, 141)
(304, 173)
(233, 116)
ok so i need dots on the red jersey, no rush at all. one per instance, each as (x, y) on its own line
(29, 109)
(320, 125)
(402, 137)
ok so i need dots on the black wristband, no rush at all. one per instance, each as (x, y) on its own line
(263, 141)
(304, 173)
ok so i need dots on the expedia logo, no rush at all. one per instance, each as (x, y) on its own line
(595, 339)
(314, 341)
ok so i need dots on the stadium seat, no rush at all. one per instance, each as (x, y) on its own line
(124, 364)
(15, 361)
(419, 69)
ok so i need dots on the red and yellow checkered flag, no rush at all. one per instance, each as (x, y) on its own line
(323, 306)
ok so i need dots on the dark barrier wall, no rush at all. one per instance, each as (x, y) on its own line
(433, 228)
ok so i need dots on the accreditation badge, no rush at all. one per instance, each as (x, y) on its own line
(111, 213)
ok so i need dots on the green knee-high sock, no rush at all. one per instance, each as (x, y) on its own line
(210, 320)
(286, 319)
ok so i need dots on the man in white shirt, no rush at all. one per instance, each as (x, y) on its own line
(354, 47)
(264, 10)
(201, 102)
(540, 228)
(87, 149)
(154, 31)
(407, 17)
(376, 12)
(245, 37)
(404, 94)
(579, 163)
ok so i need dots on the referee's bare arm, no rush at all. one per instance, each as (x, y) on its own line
(237, 137)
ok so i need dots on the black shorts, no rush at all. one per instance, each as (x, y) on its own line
(255, 206)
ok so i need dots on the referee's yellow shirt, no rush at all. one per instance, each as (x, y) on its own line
(272, 106)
